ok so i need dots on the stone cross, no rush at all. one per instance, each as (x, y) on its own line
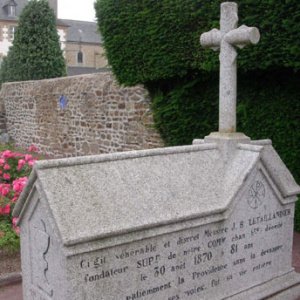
(226, 39)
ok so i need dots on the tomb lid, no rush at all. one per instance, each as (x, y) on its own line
(107, 195)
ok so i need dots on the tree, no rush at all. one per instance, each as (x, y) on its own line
(35, 52)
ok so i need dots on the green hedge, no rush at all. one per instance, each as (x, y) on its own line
(268, 107)
(190, 110)
(152, 40)
(156, 43)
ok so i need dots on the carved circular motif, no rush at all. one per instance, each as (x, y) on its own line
(256, 194)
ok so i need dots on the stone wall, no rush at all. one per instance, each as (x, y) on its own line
(99, 117)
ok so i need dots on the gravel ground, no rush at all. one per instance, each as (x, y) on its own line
(9, 262)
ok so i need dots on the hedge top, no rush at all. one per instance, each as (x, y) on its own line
(151, 40)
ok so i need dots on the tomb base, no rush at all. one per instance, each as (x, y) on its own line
(285, 287)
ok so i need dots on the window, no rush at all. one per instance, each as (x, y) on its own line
(11, 32)
(11, 10)
(79, 57)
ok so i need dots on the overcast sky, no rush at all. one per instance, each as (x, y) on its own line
(76, 10)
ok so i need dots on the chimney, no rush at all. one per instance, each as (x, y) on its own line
(53, 5)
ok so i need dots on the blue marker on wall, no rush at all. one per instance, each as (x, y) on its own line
(63, 102)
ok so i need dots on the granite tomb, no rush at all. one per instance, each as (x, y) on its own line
(213, 220)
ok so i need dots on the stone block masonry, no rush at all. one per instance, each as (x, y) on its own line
(95, 115)
(2, 118)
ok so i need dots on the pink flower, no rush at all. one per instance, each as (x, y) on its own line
(2, 161)
(15, 198)
(33, 148)
(21, 164)
(28, 157)
(19, 184)
(4, 189)
(6, 167)
(15, 221)
(16, 229)
(7, 154)
(31, 162)
(6, 176)
(5, 210)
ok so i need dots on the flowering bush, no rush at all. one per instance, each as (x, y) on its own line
(15, 168)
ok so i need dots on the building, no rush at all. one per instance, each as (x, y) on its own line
(9, 12)
(83, 50)
(80, 40)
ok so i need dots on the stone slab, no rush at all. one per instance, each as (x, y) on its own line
(292, 293)
(137, 190)
(213, 261)
(206, 221)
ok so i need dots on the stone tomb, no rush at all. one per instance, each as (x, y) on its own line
(213, 220)
(209, 221)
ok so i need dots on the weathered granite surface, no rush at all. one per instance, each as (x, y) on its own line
(226, 40)
(174, 223)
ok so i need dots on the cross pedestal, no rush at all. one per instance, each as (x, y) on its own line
(226, 39)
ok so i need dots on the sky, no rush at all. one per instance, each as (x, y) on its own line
(76, 10)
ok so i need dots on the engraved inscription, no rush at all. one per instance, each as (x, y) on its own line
(256, 194)
(207, 262)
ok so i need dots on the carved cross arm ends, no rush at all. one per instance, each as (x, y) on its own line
(242, 36)
(211, 39)
(239, 37)
(227, 39)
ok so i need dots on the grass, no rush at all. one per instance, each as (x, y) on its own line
(9, 240)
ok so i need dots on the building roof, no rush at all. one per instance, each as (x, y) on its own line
(77, 31)
(86, 32)
(60, 22)
(20, 4)
(72, 71)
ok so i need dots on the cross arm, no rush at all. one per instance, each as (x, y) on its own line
(242, 36)
(211, 39)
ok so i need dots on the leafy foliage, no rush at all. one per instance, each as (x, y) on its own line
(185, 109)
(35, 53)
(268, 107)
(156, 43)
(9, 240)
(15, 168)
(151, 40)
